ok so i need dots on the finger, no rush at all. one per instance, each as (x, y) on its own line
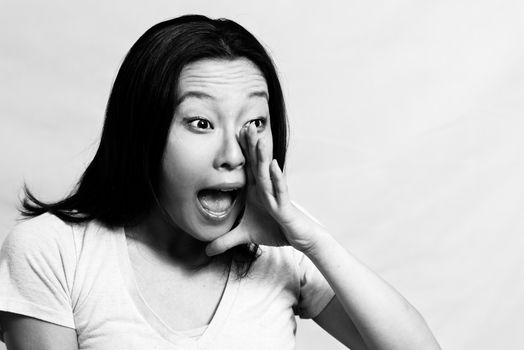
(225, 242)
(252, 144)
(279, 182)
(243, 141)
(245, 150)
(263, 168)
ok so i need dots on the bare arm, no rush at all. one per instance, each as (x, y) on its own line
(383, 318)
(334, 320)
(27, 333)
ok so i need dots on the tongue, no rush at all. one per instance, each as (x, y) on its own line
(215, 201)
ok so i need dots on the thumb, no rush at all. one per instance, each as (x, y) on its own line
(226, 241)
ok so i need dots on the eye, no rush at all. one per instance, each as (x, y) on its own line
(200, 124)
(259, 122)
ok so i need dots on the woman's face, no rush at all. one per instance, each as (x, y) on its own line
(203, 178)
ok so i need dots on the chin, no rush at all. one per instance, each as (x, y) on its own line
(210, 231)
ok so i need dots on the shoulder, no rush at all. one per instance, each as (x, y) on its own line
(278, 256)
(278, 264)
(281, 256)
(37, 270)
(44, 253)
(46, 240)
(42, 232)
(39, 244)
(49, 233)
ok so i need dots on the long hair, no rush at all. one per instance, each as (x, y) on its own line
(119, 186)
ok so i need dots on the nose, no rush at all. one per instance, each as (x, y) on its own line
(229, 155)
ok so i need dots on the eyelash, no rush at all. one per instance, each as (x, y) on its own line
(191, 123)
(198, 120)
(263, 121)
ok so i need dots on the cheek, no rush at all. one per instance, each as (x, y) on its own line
(182, 163)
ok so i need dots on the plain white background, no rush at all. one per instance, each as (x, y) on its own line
(406, 133)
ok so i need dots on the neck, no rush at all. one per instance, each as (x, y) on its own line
(169, 241)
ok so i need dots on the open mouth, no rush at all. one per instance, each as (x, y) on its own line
(217, 203)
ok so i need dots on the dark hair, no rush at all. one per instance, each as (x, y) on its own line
(119, 186)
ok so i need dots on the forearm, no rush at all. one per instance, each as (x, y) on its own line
(382, 316)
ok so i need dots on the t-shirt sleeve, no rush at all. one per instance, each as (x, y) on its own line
(315, 291)
(35, 274)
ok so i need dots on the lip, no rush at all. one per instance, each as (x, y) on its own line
(225, 186)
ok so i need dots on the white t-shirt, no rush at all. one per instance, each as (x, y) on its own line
(80, 276)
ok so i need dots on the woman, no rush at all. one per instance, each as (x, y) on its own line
(181, 233)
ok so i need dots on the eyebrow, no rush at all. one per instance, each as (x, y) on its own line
(204, 96)
(260, 93)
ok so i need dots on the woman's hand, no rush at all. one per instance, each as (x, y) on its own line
(269, 218)
(367, 313)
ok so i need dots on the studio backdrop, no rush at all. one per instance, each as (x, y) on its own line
(407, 124)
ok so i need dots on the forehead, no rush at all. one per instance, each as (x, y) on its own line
(220, 78)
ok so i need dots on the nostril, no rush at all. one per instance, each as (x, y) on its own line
(233, 161)
(230, 154)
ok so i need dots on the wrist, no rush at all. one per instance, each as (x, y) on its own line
(318, 239)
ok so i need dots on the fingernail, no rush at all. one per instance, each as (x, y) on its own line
(209, 251)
